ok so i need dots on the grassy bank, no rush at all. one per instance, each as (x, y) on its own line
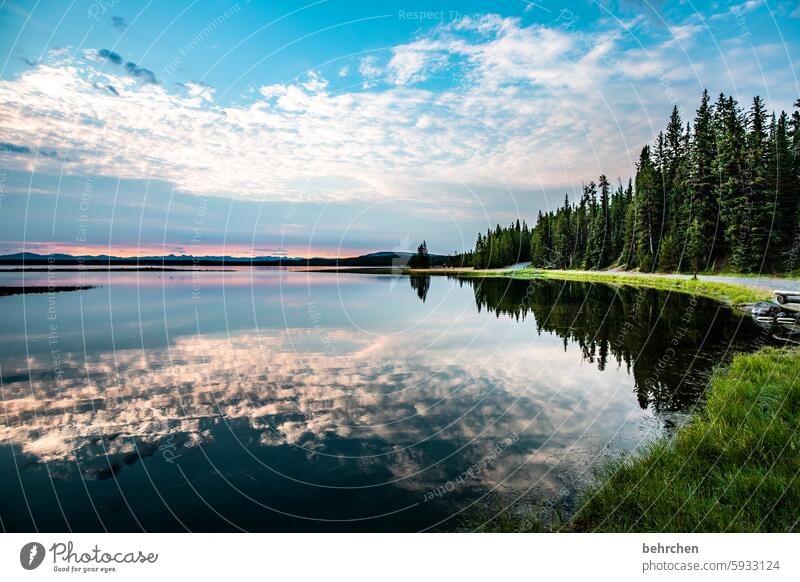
(728, 293)
(734, 467)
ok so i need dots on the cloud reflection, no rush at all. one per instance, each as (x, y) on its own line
(422, 417)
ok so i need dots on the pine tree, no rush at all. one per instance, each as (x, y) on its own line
(701, 199)
(539, 244)
(648, 211)
(760, 207)
(594, 235)
(581, 228)
(731, 197)
(791, 259)
(422, 260)
(562, 236)
(479, 255)
(617, 222)
(785, 190)
(627, 256)
(601, 224)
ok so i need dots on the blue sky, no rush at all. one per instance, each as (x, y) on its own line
(333, 127)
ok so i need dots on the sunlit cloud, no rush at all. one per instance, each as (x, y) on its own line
(523, 107)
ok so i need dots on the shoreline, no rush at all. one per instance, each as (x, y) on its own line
(732, 294)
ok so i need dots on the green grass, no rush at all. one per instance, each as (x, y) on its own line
(728, 293)
(734, 467)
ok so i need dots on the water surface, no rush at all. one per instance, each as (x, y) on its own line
(274, 400)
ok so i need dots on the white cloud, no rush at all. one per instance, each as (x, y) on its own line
(747, 6)
(314, 83)
(518, 107)
(416, 62)
(738, 10)
(200, 92)
(369, 70)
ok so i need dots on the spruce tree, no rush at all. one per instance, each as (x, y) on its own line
(701, 199)
(627, 256)
(648, 211)
(730, 165)
(593, 228)
(784, 188)
(760, 206)
(791, 260)
(617, 222)
(602, 228)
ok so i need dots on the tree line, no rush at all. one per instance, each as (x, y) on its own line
(721, 191)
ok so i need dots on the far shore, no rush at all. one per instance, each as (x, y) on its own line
(19, 290)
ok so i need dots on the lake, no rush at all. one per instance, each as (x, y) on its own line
(279, 400)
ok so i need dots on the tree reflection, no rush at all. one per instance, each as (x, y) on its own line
(669, 342)
(421, 284)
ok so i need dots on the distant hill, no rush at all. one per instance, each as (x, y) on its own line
(376, 259)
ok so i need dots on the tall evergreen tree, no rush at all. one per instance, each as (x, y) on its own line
(648, 211)
(422, 260)
(759, 202)
(594, 234)
(617, 222)
(730, 130)
(791, 260)
(601, 228)
(627, 256)
(701, 200)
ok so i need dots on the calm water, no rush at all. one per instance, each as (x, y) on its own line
(279, 401)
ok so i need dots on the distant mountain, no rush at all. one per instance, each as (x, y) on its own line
(34, 256)
(376, 259)
(392, 254)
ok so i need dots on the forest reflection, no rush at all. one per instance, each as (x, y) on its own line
(669, 342)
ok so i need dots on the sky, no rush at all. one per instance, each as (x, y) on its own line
(335, 128)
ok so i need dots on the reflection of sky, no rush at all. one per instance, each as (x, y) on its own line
(422, 390)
